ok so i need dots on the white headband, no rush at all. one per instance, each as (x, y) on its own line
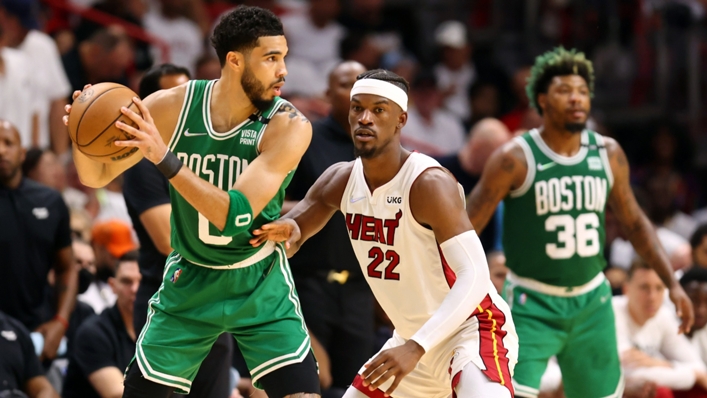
(383, 89)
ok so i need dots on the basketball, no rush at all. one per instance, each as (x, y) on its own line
(92, 121)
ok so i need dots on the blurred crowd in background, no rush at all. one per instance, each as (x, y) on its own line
(467, 62)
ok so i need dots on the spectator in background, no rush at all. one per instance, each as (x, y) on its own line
(666, 178)
(313, 40)
(20, 371)
(34, 238)
(360, 47)
(111, 202)
(104, 57)
(389, 26)
(456, 73)
(468, 164)
(694, 282)
(146, 193)
(403, 64)
(51, 88)
(484, 102)
(698, 242)
(131, 11)
(523, 117)
(170, 22)
(105, 344)
(497, 269)
(336, 300)
(85, 260)
(110, 241)
(650, 347)
(16, 90)
(622, 253)
(207, 68)
(431, 129)
(43, 166)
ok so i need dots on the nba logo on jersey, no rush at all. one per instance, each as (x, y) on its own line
(175, 275)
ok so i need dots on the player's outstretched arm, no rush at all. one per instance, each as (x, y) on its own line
(505, 170)
(641, 233)
(311, 213)
(437, 202)
(165, 103)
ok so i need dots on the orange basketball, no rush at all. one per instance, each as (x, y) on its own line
(92, 122)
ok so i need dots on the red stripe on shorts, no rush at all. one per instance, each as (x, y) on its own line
(491, 349)
(455, 382)
(358, 384)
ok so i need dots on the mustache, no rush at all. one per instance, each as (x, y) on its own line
(364, 129)
(280, 80)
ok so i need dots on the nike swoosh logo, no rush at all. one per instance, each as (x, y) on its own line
(188, 134)
(604, 298)
(354, 200)
(542, 167)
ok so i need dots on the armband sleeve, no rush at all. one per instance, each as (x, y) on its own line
(240, 214)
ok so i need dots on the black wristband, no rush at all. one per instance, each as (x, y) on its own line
(170, 165)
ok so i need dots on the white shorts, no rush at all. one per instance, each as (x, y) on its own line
(487, 339)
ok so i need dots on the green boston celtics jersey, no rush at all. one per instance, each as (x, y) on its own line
(218, 158)
(553, 225)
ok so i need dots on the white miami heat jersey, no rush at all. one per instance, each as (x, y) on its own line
(400, 258)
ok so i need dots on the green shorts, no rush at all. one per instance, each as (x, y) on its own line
(579, 330)
(257, 304)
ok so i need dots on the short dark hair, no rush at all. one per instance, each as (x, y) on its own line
(636, 265)
(386, 76)
(107, 38)
(32, 158)
(694, 274)
(698, 235)
(130, 256)
(150, 82)
(240, 29)
(558, 62)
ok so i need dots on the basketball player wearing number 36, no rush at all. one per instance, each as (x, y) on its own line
(555, 183)
(419, 253)
(240, 143)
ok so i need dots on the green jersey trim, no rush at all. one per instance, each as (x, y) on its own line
(530, 161)
(276, 106)
(183, 114)
(206, 111)
(563, 160)
(604, 155)
(552, 290)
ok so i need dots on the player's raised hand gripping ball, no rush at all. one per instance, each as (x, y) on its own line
(92, 121)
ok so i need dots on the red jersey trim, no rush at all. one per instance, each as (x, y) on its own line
(449, 274)
(358, 384)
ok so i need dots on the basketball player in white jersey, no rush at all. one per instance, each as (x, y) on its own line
(419, 253)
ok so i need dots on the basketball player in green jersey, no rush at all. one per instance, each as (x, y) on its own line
(555, 183)
(228, 147)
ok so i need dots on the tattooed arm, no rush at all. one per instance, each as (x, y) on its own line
(284, 141)
(504, 172)
(641, 233)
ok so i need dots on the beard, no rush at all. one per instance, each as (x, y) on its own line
(255, 90)
(575, 127)
(365, 153)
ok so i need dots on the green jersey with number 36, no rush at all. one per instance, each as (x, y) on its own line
(553, 225)
(218, 158)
